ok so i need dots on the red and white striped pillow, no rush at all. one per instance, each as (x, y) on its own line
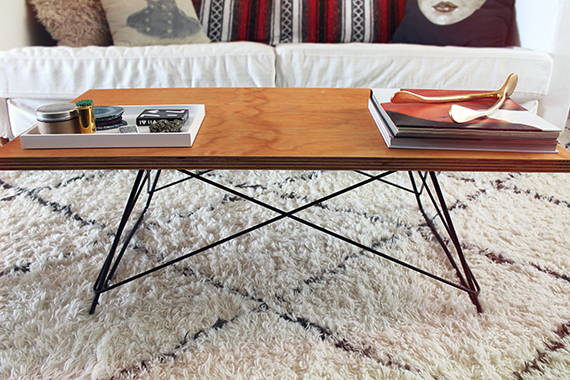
(282, 21)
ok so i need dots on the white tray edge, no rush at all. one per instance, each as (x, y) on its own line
(32, 139)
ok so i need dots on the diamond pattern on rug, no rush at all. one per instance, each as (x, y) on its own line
(284, 301)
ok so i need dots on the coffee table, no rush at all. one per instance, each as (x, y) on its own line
(273, 129)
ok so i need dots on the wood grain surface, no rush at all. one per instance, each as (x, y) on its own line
(272, 128)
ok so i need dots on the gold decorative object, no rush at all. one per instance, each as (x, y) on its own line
(460, 114)
(404, 96)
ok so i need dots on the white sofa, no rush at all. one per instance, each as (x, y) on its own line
(34, 75)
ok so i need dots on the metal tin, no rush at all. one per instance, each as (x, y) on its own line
(58, 118)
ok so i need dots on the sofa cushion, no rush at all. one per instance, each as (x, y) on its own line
(74, 23)
(413, 66)
(37, 72)
(477, 23)
(153, 22)
(280, 21)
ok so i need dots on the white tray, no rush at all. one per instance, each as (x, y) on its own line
(111, 138)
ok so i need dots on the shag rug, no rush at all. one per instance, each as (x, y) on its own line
(286, 301)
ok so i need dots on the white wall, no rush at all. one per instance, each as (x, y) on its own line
(18, 26)
(545, 29)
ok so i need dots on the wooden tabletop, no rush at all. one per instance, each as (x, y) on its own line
(272, 128)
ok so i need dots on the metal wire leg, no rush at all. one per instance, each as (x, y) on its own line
(464, 273)
(107, 271)
(467, 281)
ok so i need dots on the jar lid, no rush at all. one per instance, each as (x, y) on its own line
(56, 112)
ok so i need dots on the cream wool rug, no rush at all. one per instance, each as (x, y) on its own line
(285, 302)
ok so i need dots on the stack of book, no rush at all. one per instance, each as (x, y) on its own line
(429, 126)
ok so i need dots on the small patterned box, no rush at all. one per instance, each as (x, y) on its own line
(151, 116)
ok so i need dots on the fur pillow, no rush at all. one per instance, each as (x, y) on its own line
(74, 22)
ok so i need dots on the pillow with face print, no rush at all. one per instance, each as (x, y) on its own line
(482, 23)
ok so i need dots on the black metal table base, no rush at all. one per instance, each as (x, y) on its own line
(419, 185)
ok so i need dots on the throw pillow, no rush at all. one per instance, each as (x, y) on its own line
(153, 22)
(281, 21)
(479, 23)
(74, 23)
